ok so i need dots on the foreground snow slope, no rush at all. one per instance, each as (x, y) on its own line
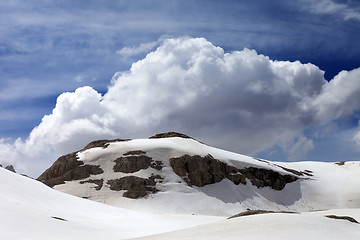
(318, 186)
(31, 210)
(310, 226)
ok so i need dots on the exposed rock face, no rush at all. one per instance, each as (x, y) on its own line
(158, 165)
(135, 186)
(258, 211)
(103, 143)
(200, 171)
(68, 168)
(135, 152)
(135, 162)
(10, 168)
(267, 178)
(169, 134)
(343, 218)
(132, 164)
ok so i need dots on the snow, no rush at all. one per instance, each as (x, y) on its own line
(31, 210)
(268, 226)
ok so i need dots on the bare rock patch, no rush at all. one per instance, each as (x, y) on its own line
(169, 135)
(200, 171)
(98, 182)
(103, 143)
(259, 211)
(135, 152)
(131, 164)
(353, 220)
(135, 186)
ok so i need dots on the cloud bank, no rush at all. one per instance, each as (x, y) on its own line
(242, 101)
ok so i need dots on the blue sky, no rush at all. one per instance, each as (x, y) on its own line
(51, 47)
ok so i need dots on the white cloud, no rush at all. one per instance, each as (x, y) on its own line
(242, 101)
(133, 51)
(339, 97)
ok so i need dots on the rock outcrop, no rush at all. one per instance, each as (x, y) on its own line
(67, 168)
(134, 161)
(103, 143)
(135, 186)
(10, 168)
(200, 171)
(169, 135)
(131, 164)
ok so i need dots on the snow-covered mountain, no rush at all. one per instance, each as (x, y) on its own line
(175, 188)
(173, 173)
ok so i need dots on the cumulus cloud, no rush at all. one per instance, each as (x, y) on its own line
(242, 101)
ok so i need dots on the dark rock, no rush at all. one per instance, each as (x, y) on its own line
(132, 164)
(200, 171)
(68, 168)
(10, 168)
(259, 211)
(341, 163)
(52, 176)
(286, 169)
(158, 165)
(169, 135)
(98, 182)
(59, 218)
(343, 218)
(82, 172)
(237, 178)
(135, 186)
(135, 152)
(267, 178)
(292, 171)
(103, 143)
(0, 165)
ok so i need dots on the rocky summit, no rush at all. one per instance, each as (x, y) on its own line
(174, 171)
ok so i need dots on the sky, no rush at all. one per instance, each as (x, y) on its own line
(276, 79)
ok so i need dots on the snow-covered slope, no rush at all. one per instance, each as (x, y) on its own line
(170, 187)
(31, 210)
(279, 226)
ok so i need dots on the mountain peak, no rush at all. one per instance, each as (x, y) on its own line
(172, 166)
